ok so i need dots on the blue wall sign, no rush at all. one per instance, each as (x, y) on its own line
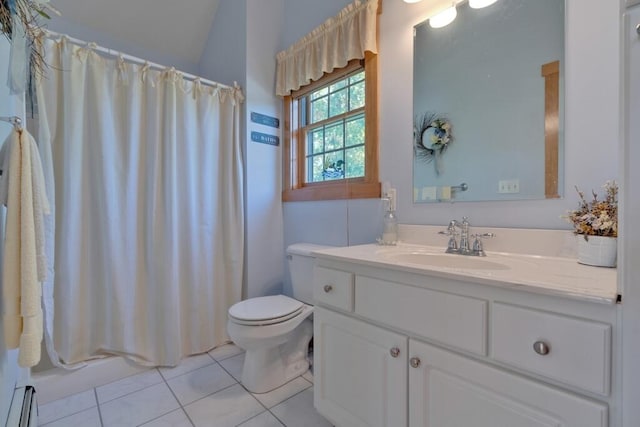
(263, 119)
(264, 138)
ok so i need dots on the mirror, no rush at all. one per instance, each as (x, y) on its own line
(487, 103)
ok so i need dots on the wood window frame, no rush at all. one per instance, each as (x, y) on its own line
(551, 74)
(294, 162)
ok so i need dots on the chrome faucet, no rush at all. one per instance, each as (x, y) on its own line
(464, 248)
(464, 237)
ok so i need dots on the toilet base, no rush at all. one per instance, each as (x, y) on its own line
(266, 369)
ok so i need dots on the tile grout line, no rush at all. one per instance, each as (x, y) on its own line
(176, 397)
(131, 392)
(163, 379)
(250, 394)
(288, 398)
(210, 394)
(95, 393)
(73, 413)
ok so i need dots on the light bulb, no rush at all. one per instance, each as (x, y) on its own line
(479, 4)
(443, 18)
(412, 1)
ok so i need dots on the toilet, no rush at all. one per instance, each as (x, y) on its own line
(275, 330)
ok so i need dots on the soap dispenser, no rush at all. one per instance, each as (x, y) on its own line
(390, 230)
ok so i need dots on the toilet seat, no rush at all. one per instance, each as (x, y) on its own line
(267, 310)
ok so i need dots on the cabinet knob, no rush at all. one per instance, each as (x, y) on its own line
(541, 347)
(395, 352)
(415, 362)
(328, 288)
(638, 29)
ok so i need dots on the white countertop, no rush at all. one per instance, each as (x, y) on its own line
(533, 273)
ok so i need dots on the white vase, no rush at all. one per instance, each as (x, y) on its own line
(600, 251)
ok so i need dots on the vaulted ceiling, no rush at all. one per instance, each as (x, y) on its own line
(177, 28)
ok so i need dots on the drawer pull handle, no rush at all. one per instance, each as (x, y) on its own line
(415, 362)
(541, 347)
(328, 288)
(395, 352)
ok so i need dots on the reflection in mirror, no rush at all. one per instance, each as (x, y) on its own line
(487, 104)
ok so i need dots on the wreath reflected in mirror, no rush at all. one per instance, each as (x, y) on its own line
(431, 137)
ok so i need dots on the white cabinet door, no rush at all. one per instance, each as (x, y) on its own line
(448, 390)
(360, 372)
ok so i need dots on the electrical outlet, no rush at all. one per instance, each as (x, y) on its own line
(509, 186)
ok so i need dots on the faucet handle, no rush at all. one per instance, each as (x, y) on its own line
(485, 235)
(451, 228)
(478, 248)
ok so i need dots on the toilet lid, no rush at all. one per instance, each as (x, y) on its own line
(265, 308)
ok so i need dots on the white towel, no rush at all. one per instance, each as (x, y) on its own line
(22, 190)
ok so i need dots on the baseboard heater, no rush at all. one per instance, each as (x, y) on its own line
(24, 408)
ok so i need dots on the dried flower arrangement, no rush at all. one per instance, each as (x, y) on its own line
(26, 13)
(597, 217)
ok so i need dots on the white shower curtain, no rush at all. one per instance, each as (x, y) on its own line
(148, 207)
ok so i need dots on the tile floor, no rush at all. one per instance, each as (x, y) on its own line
(204, 390)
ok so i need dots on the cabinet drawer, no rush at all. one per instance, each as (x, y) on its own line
(579, 351)
(450, 319)
(333, 287)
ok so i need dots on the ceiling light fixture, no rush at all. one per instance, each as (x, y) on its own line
(443, 18)
(479, 4)
(412, 1)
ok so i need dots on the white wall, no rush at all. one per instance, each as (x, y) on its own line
(224, 58)
(628, 267)
(592, 97)
(591, 125)
(64, 26)
(302, 16)
(243, 42)
(265, 256)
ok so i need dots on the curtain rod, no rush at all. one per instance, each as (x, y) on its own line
(52, 35)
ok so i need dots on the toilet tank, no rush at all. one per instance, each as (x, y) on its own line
(301, 269)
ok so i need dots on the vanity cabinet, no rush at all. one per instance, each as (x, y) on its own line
(360, 372)
(432, 352)
(446, 389)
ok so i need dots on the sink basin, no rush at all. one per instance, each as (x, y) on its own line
(446, 261)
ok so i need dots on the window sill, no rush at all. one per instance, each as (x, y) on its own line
(333, 191)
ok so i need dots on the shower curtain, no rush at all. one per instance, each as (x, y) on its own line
(148, 200)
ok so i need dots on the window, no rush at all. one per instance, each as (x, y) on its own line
(330, 142)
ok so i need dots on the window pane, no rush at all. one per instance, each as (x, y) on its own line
(333, 166)
(320, 92)
(356, 96)
(356, 78)
(354, 162)
(317, 166)
(355, 131)
(338, 85)
(316, 141)
(338, 102)
(319, 110)
(334, 137)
